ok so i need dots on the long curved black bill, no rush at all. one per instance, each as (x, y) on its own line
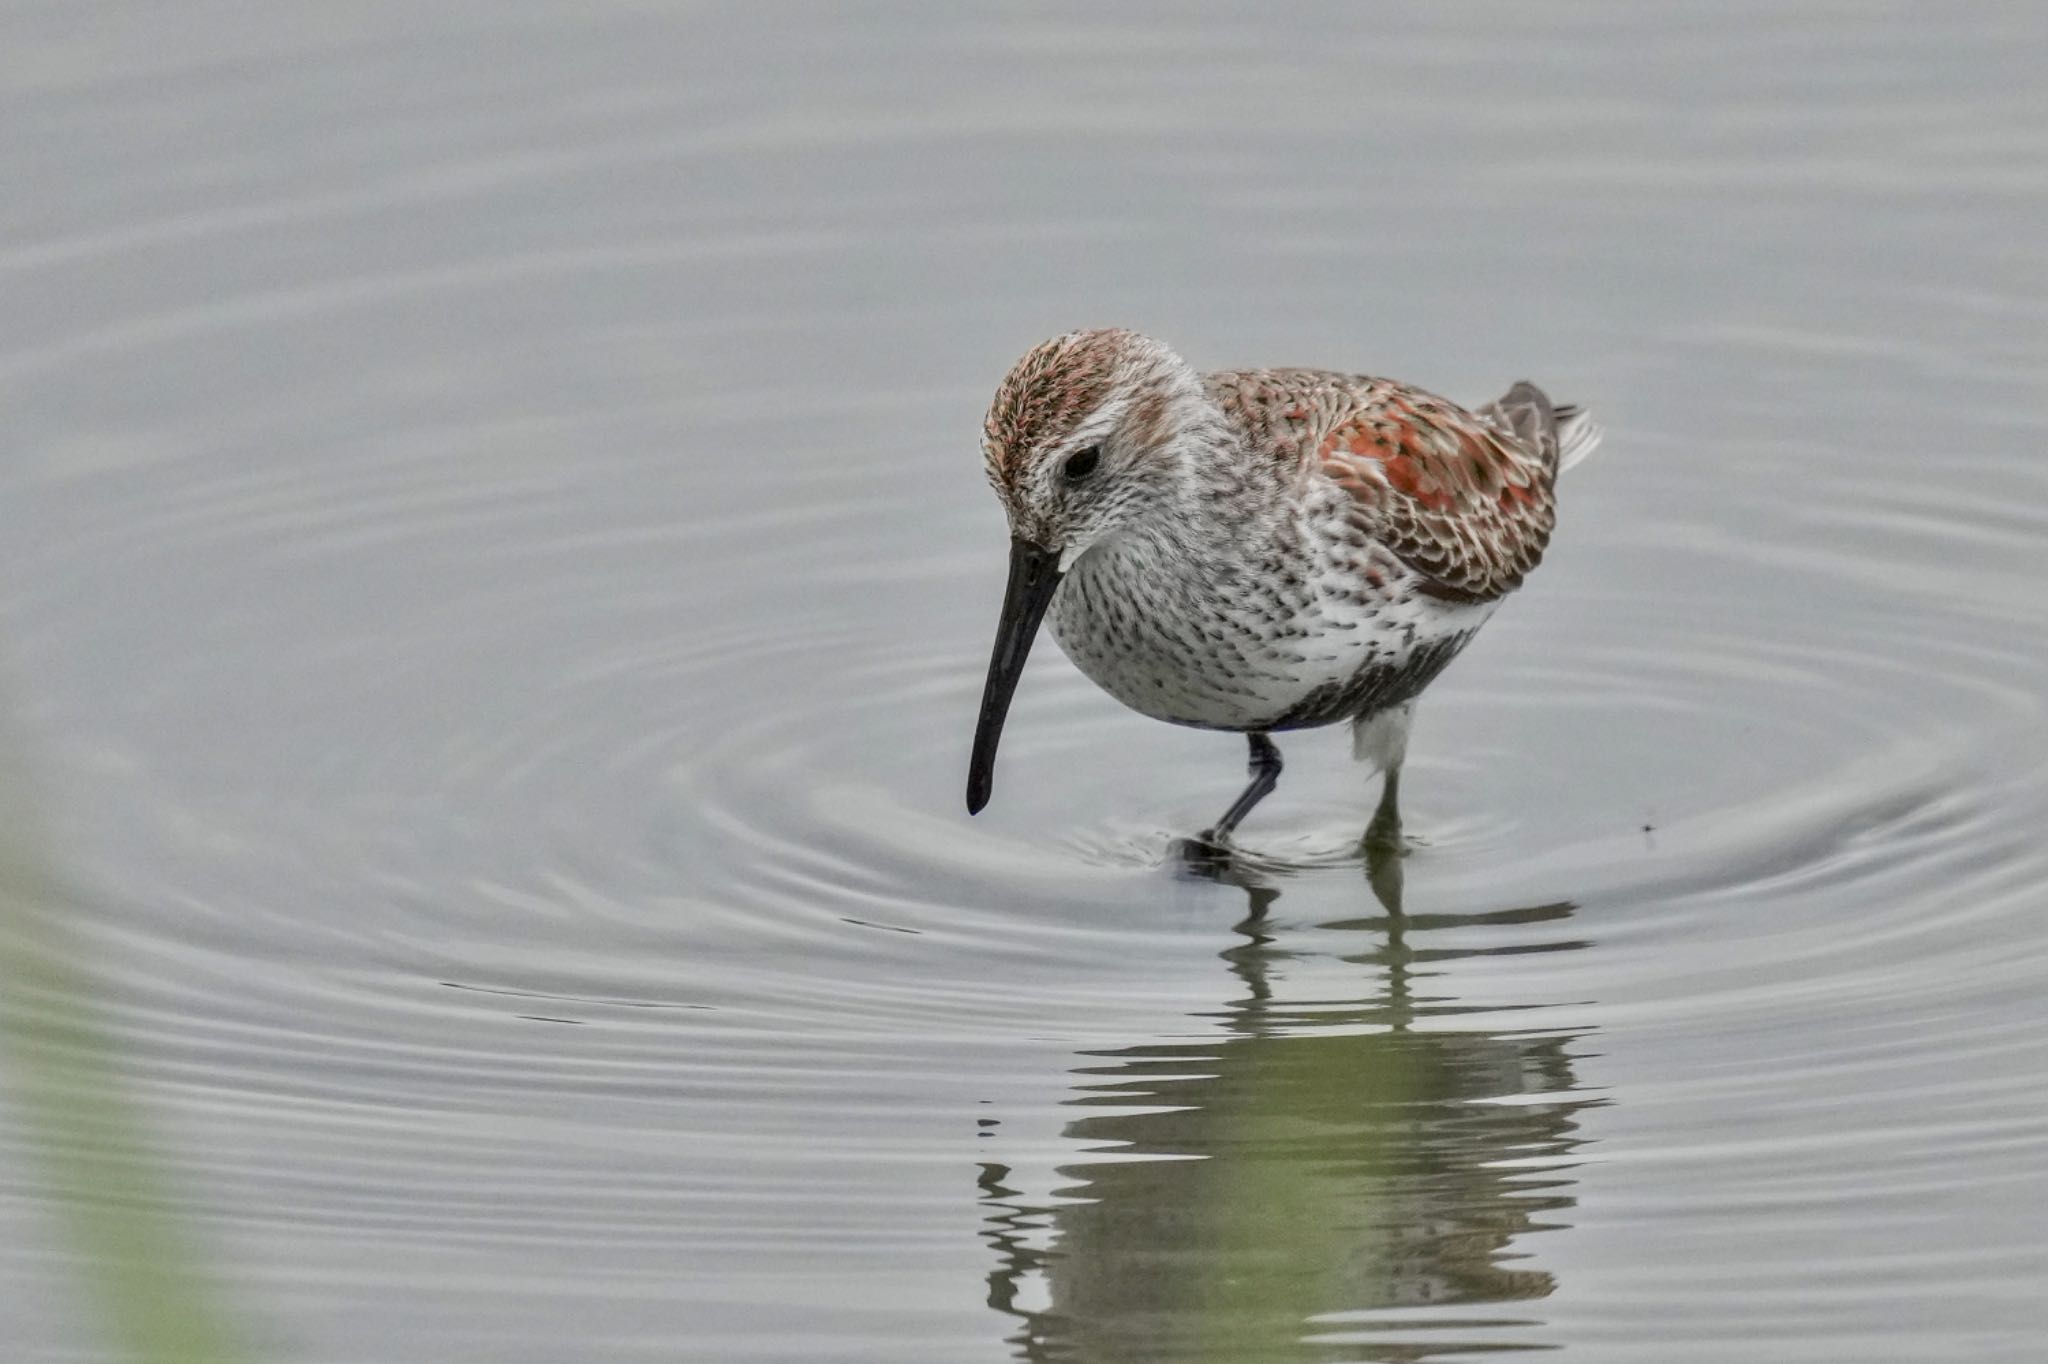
(1034, 573)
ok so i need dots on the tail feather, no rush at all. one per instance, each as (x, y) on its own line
(1566, 434)
(1578, 435)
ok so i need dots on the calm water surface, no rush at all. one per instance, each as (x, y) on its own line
(498, 574)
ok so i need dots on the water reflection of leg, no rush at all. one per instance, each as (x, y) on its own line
(1006, 1227)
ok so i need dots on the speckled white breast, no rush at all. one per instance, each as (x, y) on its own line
(1246, 646)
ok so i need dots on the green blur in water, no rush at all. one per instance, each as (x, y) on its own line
(62, 1078)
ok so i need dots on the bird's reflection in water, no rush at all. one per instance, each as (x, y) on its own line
(1322, 1169)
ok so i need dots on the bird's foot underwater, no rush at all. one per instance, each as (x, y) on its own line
(1206, 849)
(1384, 840)
(1383, 836)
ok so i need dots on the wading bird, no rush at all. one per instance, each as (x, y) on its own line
(1258, 550)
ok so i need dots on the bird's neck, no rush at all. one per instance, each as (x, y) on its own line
(1220, 521)
(1231, 500)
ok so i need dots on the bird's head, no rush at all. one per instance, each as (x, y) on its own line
(1089, 434)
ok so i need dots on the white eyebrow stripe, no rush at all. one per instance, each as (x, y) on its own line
(1094, 427)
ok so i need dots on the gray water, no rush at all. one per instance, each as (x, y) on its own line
(497, 579)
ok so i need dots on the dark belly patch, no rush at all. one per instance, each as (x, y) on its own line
(1374, 689)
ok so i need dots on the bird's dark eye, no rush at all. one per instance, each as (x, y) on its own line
(1082, 463)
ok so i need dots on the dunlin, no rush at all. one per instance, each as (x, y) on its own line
(1258, 550)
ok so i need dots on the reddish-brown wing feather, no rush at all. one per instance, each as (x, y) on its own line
(1464, 502)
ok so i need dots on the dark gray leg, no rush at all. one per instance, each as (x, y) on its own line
(1265, 770)
(1382, 740)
